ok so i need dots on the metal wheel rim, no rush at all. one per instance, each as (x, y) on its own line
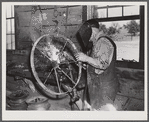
(35, 73)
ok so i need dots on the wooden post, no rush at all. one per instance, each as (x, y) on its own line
(84, 13)
(141, 58)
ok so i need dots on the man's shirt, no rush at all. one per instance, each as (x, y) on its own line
(102, 52)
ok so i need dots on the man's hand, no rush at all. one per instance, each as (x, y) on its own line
(81, 57)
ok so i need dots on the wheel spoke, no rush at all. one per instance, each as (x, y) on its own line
(73, 61)
(67, 59)
(48, 76)
(70, 72)
(42, 53)
(57, 80)
(66, 75)
(36, 60)
(69, 62)
(64, 46)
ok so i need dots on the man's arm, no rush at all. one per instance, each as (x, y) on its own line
(102, 57)
(98, 63)
(95, 62)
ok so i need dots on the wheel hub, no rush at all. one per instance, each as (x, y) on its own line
(54, 64)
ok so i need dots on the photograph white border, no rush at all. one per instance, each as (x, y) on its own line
(69, 115)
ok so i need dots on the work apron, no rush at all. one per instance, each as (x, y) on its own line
(102, 88)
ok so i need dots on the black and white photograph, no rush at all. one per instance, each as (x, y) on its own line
(53, 67)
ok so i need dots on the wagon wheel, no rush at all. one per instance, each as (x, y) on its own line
(54, 65)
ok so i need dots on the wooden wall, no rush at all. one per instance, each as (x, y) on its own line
(31, 24)
(132, 88)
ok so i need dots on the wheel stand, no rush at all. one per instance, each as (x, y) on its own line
(74, 98)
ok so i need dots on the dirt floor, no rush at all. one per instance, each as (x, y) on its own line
(122, 103)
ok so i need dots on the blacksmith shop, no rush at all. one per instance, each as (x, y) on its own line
(54, 59)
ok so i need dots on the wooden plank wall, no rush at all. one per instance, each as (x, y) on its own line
(131, 82)
(131, 94)
(30, 24)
